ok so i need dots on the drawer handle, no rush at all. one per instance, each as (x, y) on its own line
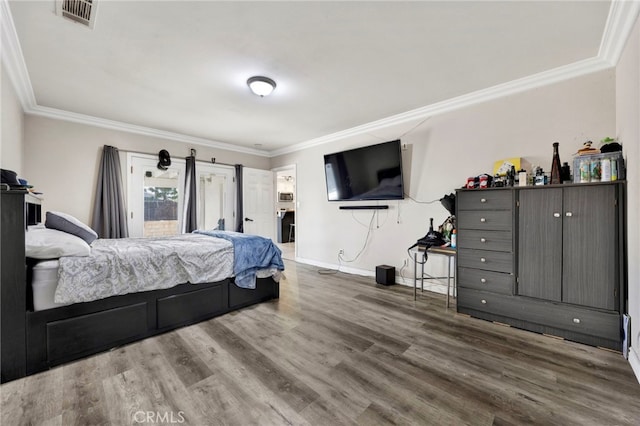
(483, 200)
(483, 260)
(483, 240)
(484, 302)
(576, 320)
(483, 220)
(556, 215)
(482, 280)
(568, 214)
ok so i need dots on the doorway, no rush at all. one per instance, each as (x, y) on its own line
(286, 215)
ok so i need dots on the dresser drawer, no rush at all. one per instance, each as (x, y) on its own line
(499, 220)
(487, 260)
(562, 316)
(479, 279)
(485, 200)
(485, 240)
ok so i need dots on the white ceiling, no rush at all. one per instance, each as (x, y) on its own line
(181, 67)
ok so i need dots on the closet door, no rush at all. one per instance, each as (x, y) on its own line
(590, 256)
(540, 243)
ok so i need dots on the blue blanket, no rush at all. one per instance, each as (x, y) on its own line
(250, 254)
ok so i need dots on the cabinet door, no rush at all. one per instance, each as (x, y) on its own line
(590, 256)
(540, 243)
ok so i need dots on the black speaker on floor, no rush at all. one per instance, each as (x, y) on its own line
(385, 274)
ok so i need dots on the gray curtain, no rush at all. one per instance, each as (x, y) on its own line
(109, 212)
(189, 219)
(239, 207)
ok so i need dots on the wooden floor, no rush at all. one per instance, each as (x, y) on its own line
(333, 350)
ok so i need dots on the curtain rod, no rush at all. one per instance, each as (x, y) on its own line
(193, 154)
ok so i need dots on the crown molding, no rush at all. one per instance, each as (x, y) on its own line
(544, 78)
(13, 59)
(622, 16)
(620, 21)
(89, 120)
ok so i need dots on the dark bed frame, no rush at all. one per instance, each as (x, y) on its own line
(67, 333)
(34, 341)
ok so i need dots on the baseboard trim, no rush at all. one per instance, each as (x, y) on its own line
(434, 287)
(634, 360)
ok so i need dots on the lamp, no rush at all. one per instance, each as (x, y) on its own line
(261, 86)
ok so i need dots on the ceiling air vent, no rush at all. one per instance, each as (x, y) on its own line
(82, 11)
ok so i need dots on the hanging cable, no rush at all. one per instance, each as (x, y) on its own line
(366, 240)
(421, 202)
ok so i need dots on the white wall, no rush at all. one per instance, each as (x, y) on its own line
(63, 159)
(628, 130)
(11, 134)
(442, 152)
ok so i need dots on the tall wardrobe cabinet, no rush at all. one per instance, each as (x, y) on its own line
(568, 266)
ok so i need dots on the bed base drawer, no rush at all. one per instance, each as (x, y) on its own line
(88, 333)
(185, 308)
(265, 289)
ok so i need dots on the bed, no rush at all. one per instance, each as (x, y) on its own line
(87, 314)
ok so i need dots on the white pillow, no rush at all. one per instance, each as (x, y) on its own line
(67, 223)
(43, 243)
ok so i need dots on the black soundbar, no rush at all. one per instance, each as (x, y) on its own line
(364, 207)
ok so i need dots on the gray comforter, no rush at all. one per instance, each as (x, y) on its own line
(129, 265)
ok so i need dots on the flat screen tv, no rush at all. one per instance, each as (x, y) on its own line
(369, 173)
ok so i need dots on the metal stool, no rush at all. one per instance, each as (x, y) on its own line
(292, 227)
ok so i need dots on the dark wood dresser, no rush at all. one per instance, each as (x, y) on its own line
(550, 259)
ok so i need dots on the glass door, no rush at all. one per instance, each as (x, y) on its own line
(216, 197)
(155, 196)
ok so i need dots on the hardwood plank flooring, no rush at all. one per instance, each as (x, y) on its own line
(335, 350)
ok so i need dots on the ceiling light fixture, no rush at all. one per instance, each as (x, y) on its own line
(261, 86)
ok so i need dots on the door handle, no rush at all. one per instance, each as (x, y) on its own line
(246, 219)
